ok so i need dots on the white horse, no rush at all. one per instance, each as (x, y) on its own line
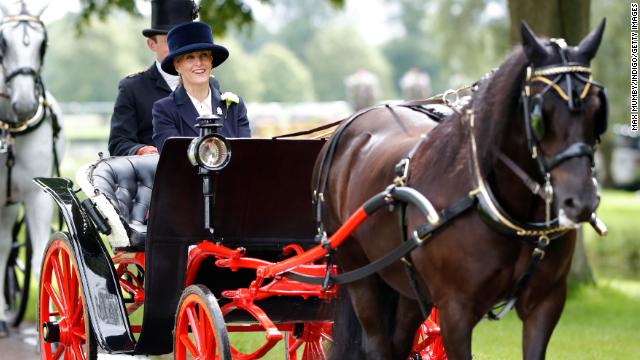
(29, 122)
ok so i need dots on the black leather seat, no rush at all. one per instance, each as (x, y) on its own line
(127, 182)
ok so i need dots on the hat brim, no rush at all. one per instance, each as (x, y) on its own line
(218, 52)
(153, 32)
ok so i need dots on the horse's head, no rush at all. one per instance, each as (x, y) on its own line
(23, 40)
(565, 114)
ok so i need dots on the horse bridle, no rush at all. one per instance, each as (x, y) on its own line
(569, 72)
(26, 20)
(532, 114)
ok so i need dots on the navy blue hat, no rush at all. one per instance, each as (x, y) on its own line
(190, 37)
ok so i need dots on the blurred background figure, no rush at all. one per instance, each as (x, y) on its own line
(415, 85)
(363, 89)
(625, 158)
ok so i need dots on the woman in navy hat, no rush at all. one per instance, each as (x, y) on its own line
(192, 56)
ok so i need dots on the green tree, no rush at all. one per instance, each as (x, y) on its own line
(476, 42)
(224, 14)
(337, 52)
(89, 68)
(283, 75)
(412, 48)
(239, 73)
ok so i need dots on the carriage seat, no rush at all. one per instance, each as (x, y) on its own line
(126, 183)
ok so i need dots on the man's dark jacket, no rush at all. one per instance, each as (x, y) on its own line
(176, 115)
(131, 126)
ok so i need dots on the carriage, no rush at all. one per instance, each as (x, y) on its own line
(205, 244)
(196, 252)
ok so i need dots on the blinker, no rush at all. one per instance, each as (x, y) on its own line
(537, 122)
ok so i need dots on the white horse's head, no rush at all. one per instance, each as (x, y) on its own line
(23, 40)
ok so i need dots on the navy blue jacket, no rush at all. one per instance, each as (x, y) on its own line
(175, 115)
(131, 120)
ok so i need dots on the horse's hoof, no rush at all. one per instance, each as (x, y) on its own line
(4, 329)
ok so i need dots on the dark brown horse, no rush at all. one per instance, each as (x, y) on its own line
(536, 119)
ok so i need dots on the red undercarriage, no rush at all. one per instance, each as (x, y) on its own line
(269, 282)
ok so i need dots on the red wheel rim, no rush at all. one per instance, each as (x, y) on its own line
(61, 303)
(195, 334)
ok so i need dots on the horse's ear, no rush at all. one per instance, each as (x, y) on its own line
(533, 48)
(4, 9)
(589, 45)
(39, 12)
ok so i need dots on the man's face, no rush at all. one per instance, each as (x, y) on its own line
(158, 44)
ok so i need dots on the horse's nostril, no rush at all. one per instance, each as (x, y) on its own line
(569, 203)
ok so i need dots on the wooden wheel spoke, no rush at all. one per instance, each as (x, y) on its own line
(71, 291)
(194, 323)
(326, 336)
(74, 288)
(77, 311)
(57, 269)
(296, 345)
(210, 341)
(184, 338)
(76, 351)
(78, 332)
(58, 352)
(128, 286)
(56, 300)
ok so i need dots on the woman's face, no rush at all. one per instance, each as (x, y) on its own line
(194, 67)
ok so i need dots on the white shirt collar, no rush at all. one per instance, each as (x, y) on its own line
(203, 107)
(171, 80)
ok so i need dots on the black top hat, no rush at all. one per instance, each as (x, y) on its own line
(190, 37)
(166, 14)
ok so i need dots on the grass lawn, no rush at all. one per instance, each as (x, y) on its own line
(618, 254)
(598, 322)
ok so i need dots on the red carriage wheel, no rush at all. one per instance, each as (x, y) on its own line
(311, 337)
(64, 328)
(428, 344)
(200, 331)
(130, 272)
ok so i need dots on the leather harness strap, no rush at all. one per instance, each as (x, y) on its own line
(418, 238)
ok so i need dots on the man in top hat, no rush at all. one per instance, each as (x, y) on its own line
(131, 129)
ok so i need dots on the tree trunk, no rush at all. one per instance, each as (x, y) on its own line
(568, 19)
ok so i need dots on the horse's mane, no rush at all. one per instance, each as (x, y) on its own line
(494, 103)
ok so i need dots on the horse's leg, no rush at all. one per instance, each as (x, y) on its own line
(8, 216)
(539, 322)
(38, 211)
(408, 320)
(456, 323)
(366, 298)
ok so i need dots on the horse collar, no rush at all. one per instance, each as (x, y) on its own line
(491, 210)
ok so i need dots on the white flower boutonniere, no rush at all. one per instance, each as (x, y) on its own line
(229, 98)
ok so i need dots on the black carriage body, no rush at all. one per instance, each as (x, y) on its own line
(262, 203)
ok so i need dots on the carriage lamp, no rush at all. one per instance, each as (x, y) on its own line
(210, 150)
